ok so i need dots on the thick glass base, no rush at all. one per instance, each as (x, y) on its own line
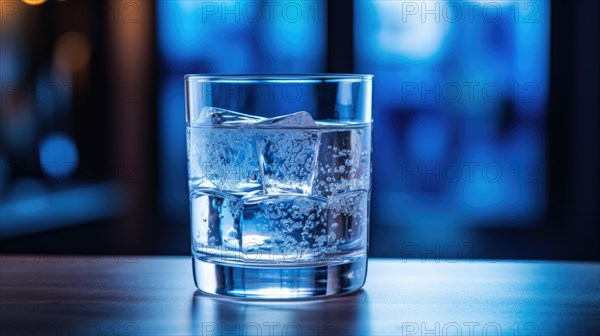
(276, 282)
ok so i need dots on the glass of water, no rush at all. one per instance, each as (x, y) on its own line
(280, 183)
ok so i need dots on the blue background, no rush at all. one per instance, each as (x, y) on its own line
(485, 138)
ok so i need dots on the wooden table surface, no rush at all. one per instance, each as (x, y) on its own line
(73, 295)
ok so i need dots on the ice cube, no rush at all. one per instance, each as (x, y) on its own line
(344, 162)
(211, 116)
(215, 219)
(224, 158)
(291, 228)
(347, 216)
(298, 119)
(259, 153)
(287, 155)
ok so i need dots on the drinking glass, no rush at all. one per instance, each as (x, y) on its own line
(280, 183)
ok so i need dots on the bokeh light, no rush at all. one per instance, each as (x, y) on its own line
(34, 2)
(26, 192)
(72, 52)
(59, 157)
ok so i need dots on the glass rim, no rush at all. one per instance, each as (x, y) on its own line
(279, 78)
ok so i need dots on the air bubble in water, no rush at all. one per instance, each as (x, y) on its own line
(331, 237)
(232, 234)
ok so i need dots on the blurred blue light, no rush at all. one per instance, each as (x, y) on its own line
(29, 207)
(294, 41)
(173, 163)
(457, 84)
(392, 30)
(179, 32)
(12, 54)
(27, 193)
(59, 157)
(212, 36)
(427, 138)
(483, 194)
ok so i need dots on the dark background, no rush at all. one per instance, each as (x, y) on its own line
(91, 143)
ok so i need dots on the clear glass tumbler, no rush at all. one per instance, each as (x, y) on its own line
(280, 183)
